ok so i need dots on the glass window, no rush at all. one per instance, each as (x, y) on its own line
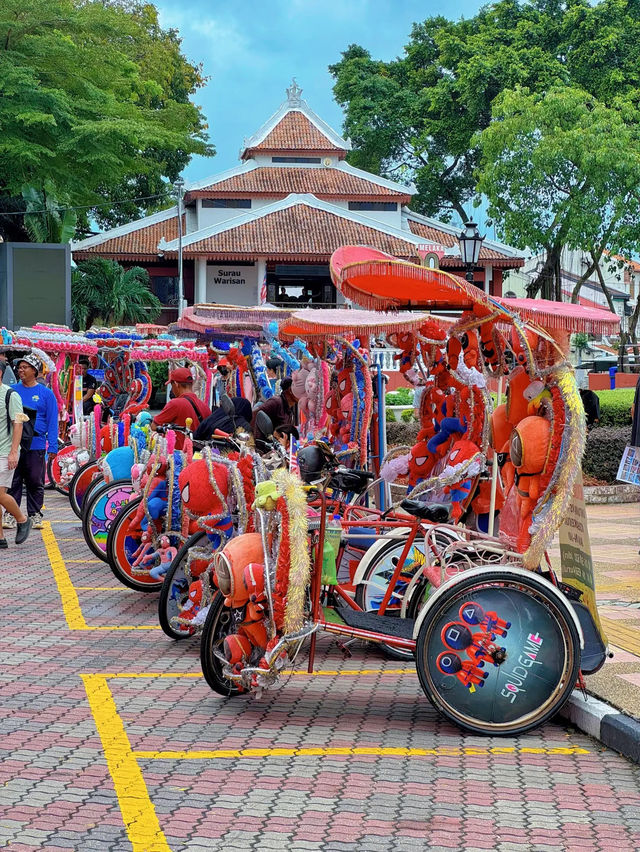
(296, 160)
(245, 203)
(373, 205)
(165, 288)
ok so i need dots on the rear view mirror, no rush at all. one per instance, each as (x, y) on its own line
(226, 404)
(264, 424)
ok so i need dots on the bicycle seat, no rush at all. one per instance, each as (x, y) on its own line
(438, 513)
(345, 479)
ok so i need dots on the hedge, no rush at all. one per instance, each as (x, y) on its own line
(605, 446)
(401, 396)
(615, 406)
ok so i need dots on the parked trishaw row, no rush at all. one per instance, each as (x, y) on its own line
(435, 552)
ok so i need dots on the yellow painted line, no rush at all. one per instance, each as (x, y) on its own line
(221, 754)
(70, 603)
(138, 813)
(103, 589)
(623, 636)
(289, 672)
(67, 591)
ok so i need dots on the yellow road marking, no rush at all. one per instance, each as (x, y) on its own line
(103, 589)
(622, 635)
(318, 751)
(67, 591)
(287, 672)
(68, 596)
(138, 813)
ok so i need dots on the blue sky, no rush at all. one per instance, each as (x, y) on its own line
(252, 49)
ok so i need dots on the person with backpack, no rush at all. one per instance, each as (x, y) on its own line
(11, 424)
(41, 402)
(184, 406)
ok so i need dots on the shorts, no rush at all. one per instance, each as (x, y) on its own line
(6, 475)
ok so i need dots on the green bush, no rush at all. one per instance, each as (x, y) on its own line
(408, 416)
(615, 406)
(402, 396)
(402, 434)
(605, 446)
(159, 372)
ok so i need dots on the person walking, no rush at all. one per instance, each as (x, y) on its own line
(31, 465)
(8, 377)
(11, 419)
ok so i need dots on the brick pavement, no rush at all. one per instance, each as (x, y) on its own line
(112, 741)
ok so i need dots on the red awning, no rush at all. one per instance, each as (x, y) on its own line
(312, 323)
(564, 316)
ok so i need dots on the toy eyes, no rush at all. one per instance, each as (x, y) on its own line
(515, 449)
(185, 493)
(454, 455)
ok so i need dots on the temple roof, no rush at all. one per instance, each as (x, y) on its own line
(337, 181)
(134, 241)
(299, 227)
(295, 129)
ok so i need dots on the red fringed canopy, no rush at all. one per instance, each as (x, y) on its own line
(564, 316)
(311, 323)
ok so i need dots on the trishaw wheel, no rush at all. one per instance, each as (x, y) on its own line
(96, 483)
(80, 484)
(217, 625)
(121, 545)
(175, 590)
(54, 473)
(498, 651)
(101, 508)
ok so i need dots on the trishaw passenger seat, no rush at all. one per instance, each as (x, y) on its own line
(438, 513)
(346, 479)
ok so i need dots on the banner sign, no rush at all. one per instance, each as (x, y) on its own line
(629, 470)
(575, 551)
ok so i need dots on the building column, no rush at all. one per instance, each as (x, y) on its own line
(200, 289)
(262, 277)
(488, 274)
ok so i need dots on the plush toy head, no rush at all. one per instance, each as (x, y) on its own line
(198, 497)
(118, 464)
(529, 444)
(501, 428)
(420, 463)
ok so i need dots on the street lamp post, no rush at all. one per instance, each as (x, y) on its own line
(179, 189)
(470, 245)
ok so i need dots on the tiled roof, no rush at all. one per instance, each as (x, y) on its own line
(277, 181)
(434, 235)
(137, 244)
(298, 231)
(294, 132)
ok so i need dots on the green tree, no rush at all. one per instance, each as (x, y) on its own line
(562, 169)
(46, 220)
(105, 293)
(94, 97)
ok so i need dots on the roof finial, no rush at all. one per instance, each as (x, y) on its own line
(293, 93)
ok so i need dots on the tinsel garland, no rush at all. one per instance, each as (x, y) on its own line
(259, 372)
(283, 565)
(173, 497)
(552, 506)
(470, 467)
(290, 486)
(289, 359)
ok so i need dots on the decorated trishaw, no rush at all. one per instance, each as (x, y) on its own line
(499, 641)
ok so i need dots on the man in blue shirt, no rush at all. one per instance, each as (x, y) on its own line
(31, 465)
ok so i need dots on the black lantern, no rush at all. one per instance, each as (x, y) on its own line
(470, 245)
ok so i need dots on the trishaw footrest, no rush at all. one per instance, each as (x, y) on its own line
(388, 625)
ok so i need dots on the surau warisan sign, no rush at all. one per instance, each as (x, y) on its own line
(232, 285)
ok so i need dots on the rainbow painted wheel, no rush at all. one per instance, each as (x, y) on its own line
(81, 482)
(101, 509)
(122, 543)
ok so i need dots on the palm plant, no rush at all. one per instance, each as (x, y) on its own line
(44, 220)
(105, 293)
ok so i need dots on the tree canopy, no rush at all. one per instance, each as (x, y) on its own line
(95, 97)
(105, 293)
(417, 116)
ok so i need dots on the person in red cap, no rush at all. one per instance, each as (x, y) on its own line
(184, 406)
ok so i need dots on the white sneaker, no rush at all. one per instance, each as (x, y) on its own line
(8, 521)
(38, 521)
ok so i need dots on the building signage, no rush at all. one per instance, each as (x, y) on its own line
(229, 284)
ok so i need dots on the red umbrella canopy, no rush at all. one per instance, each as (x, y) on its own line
(379, 281)
(313, 323)
(564, 316)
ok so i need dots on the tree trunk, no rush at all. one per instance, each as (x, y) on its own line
(575, 295)
(545, 281)
(633, 329)
(609, 298)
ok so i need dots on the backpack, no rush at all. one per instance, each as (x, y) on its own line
(28, 427)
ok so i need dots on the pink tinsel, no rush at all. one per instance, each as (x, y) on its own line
(171, 441)
(398, 466)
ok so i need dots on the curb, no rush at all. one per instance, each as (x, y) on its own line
(612, 728)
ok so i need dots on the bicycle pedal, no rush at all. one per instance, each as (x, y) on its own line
(342, 646)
